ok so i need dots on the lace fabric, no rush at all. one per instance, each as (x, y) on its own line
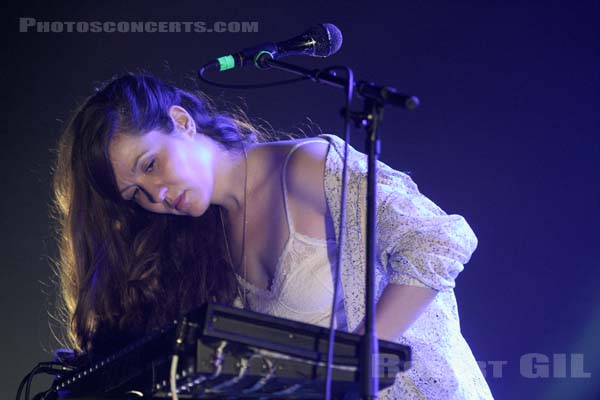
(302, 287)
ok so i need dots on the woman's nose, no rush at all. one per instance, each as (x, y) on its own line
(159, 194)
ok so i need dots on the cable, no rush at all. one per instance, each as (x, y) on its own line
(173, 376)
(349, 96)
(251, 86)
(47, 367)
(44, 395)
(29, 380)
(178, 347)
(22, 385)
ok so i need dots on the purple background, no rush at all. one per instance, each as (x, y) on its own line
(507, 136)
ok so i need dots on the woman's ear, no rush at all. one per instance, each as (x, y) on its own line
(182, 120)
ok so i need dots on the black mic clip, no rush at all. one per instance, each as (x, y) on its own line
(256, 55)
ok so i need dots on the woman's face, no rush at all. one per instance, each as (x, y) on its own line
(165, 173)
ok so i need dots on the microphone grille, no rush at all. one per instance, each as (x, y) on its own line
(328, 39)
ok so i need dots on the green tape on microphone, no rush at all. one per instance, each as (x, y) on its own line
(226, 62)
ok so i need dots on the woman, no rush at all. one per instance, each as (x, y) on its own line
(165, 204)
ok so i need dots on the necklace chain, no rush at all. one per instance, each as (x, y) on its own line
(243, 258)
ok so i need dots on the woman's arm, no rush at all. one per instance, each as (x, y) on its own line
(398, 307)
(405, 298)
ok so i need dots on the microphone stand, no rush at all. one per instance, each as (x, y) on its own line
(370, 118)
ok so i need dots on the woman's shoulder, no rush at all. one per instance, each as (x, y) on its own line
(296, 153)
(303, 163)
(295, 142)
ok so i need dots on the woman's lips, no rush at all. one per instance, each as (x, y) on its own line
(180, 202)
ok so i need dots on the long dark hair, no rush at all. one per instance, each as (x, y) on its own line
(123, 270)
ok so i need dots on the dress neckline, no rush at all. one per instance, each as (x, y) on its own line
(278, 276)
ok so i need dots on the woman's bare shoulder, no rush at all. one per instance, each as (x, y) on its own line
(305, 170)
(290, 143)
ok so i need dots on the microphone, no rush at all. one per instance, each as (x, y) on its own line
(321, 40)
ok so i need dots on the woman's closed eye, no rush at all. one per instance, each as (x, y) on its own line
(150, 167)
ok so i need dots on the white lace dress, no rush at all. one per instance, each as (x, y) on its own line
(418, 244)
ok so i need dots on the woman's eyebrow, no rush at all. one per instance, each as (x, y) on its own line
(137, 159)
(133, 168)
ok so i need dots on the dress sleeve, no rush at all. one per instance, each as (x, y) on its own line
(418, 243)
